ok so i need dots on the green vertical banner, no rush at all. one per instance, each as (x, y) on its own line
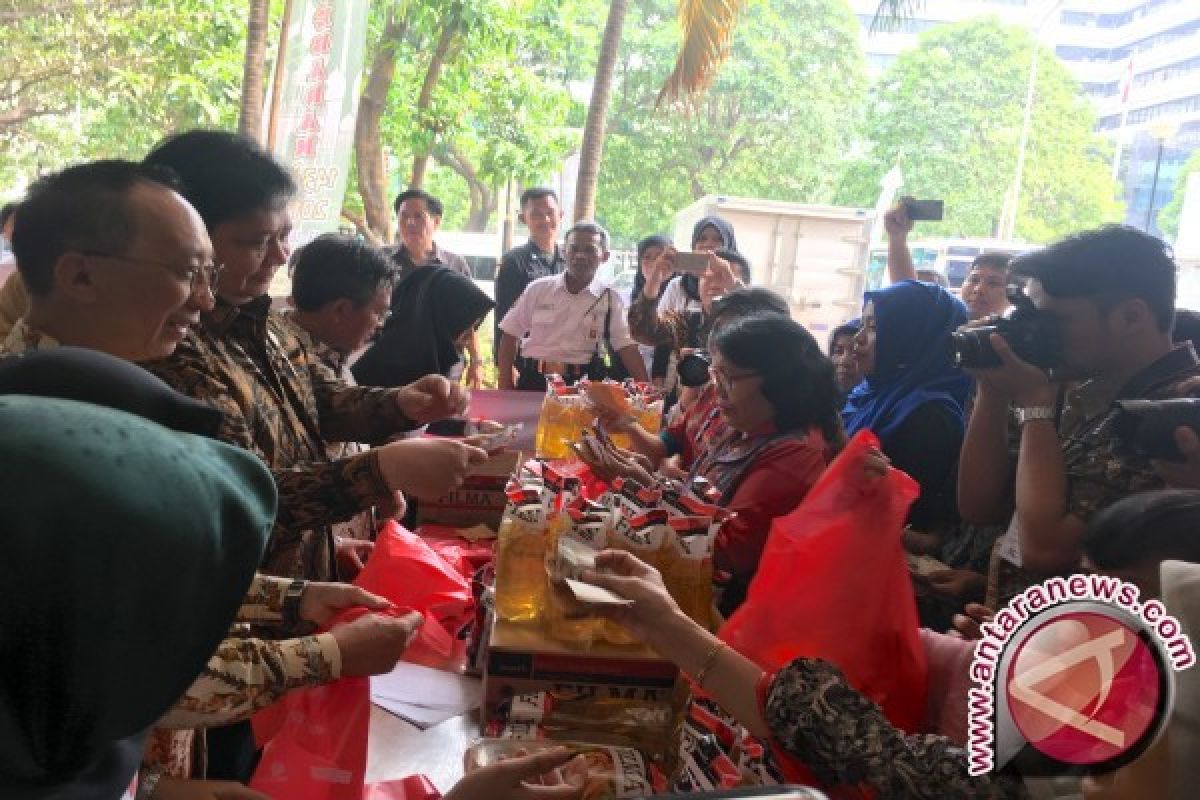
(315, 138)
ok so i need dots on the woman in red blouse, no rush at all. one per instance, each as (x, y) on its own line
(770, 426)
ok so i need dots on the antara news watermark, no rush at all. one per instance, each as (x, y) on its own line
(1080, 670)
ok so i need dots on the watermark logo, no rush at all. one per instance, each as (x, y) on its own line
(1074, 674)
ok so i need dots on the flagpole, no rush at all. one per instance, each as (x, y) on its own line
(1120, 142)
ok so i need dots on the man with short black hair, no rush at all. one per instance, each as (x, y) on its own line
(564, 322)
(537, 258)
(419, 215)
(418, 218)
(1111, 293)
(341, 290)
(280, 401)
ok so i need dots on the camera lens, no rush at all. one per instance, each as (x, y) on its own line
(972, 349)
(693, 369)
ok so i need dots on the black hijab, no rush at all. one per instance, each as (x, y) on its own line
(129, 549)
(431, 308)
(691, 283)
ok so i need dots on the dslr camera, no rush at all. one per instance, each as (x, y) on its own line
(693, 369)
(1147, 427)
(1033, 335)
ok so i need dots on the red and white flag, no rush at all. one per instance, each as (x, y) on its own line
(1127, 82)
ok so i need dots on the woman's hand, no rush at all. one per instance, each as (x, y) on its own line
(613, 462)
(659, 273)
(896, 221)
(875, 464)
(653, 611)
(614, 421)
(967, 624)
(555, 774)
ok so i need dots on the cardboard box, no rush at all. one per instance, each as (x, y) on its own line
(479, 501)
(521, 659)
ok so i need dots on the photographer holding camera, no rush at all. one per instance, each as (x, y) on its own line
(1102, 305)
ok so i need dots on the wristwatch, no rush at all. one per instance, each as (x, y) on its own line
(291, 603)
(1030, 413)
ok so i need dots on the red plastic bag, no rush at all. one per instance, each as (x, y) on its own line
(414, 787)
(406, 570)
(833, 583)
(315, 740)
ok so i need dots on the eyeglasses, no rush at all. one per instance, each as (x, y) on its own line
(727, 382)
(211, 272)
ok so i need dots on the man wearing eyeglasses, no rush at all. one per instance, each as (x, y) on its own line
(128, 272)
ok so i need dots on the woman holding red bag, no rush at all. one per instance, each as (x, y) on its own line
(806, 710)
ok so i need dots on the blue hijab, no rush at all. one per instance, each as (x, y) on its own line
(913, 363)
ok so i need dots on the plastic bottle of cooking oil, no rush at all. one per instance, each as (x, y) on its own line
(520, 552)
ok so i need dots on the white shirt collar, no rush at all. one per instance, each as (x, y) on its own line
(596, 288)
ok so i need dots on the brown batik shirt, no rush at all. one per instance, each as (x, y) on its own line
(283, 404)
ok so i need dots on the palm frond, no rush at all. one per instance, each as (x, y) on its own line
(707, 27)
(891, 13)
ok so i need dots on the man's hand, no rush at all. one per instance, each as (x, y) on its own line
(432, 398)
(321, 601)
(473, 374)
(1185, 475)
(373, 643)
(1018, 381)
(427, 468)
(896, 221)
(557, 774)
(183, 789)
(351, 554)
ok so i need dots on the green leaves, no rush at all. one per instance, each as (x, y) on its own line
(774, 123)
(950, 113)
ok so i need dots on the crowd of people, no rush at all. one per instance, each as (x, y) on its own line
(198, 474)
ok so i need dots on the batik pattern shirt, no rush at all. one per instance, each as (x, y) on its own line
(363, 525)
(845, 739)
(284, 405)
(245, 674)
(1100, 469)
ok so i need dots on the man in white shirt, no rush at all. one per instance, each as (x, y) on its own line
(567, 320)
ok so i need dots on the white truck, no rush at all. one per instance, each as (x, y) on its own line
(815, 256)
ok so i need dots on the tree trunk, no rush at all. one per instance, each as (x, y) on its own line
(368, 137)
(593, 130)
(425, 98)
(483, 197)
(254, 72)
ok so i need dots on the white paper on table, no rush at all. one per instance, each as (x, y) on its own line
(425, 696)
(420, 716)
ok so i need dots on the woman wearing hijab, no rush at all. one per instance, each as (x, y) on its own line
(434, 312)
(648, 251)
(913, 395)
(91, 640)
(676, 320)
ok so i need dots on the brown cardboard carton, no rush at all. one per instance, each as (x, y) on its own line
(479, 501)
